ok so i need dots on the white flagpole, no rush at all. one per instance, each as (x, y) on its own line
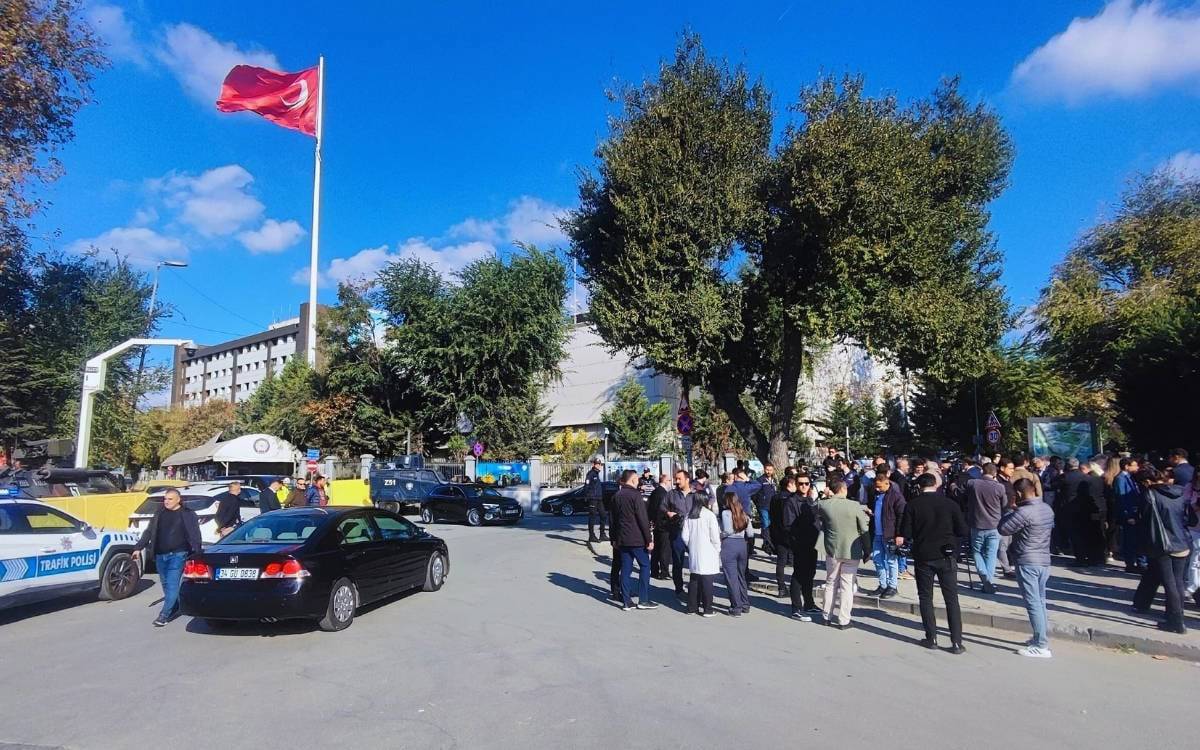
(311, 333)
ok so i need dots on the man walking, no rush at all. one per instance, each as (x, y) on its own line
(935, 524)
(173, 534)
(986, 499)
(595, 498)
(632, 538)
(885, 509)
(844, 522)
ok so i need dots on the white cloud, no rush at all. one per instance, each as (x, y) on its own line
(145, 215)
(447, 260)
(1127, 49)
(201, 62)
(115, 31)
(143, 246)
(272, 237)
(529, 219)
(215, 203)
(1184, 165)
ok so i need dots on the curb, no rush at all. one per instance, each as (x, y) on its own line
(1094, 636)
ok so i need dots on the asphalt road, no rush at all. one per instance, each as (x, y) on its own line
(521, 650)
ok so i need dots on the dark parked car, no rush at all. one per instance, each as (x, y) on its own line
(311, 563)
(574, 501)
(473, 504)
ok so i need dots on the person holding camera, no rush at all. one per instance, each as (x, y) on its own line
(934, 524)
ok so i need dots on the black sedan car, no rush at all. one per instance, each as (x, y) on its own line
(473, 504)
(574, 501)
(311, 563)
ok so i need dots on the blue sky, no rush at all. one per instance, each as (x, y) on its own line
(453, 129)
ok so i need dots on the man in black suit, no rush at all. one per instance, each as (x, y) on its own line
(935, 524)
(656, 508)
(229, 509)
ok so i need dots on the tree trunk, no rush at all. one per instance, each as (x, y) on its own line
(772, 445)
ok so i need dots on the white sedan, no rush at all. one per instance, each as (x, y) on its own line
(45, 553)
(202, 498)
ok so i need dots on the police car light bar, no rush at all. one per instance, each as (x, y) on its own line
(10, 492)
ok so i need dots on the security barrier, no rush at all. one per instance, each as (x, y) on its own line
(101, 511)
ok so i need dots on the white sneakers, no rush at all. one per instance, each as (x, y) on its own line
(1035, 652)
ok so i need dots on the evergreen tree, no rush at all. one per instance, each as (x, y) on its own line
(636, 427)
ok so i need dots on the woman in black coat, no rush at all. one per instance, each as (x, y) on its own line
(1167, 546)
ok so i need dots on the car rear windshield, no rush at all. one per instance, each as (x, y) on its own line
(478, 491)
(197, 503)
(274, 528)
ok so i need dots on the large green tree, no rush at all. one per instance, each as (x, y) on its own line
(636, 426)
(479, 350)
(1122, 311)
(720, 262)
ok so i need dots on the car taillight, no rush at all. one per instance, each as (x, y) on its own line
(195, 569)
(287, 569)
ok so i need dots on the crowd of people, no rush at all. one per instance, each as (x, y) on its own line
(1004, 516)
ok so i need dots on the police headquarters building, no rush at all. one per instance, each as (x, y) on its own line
(231, 371)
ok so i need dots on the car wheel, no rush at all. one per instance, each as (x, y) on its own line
(567, 509)
(120, 577)
(343, 600)
(474, 518)
(426, 515)
(435, 572)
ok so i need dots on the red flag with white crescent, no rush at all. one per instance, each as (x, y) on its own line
(287, 99)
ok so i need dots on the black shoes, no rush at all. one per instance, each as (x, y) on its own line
(929, 643)
(877, 592)
(889, 593)
(1172, 628)
(957, 649)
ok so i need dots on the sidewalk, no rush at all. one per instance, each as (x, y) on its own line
(1091, 605)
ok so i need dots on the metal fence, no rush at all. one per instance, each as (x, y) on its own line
(447, 469)
(556, 474)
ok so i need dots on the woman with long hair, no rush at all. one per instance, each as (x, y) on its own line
(1112, 469)
(734, 522)
(702, 535)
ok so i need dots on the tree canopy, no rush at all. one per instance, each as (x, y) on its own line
(637, 427)
(720, 261)
(1122, 311)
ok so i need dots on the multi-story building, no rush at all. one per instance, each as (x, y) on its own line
(231, 371)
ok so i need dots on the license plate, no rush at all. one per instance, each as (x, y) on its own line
(511, 512)
(237, 574)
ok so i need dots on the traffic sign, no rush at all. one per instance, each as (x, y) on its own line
(993, 436)
(992, 422)
(684, 406)
(687, 443)
(477, 449)
(312, 466)
(313, 454)
(684, 424)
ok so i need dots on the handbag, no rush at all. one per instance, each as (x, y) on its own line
(1158, 543)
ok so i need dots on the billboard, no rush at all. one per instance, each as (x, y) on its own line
(1063, 436)
(504, 474)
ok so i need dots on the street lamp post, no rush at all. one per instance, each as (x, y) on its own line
(606, 452)
(137, 383)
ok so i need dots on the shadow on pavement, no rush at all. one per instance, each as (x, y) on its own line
(252, 628)
(69, 601)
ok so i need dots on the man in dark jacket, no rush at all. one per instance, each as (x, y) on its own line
(595, 497)
(267, 499)
(679, 506)
(1066, 488)
(885, 506)
(762, 501)
(935, 524)
(173, 534)
(1090, 510)
(633, 539)
(656, 508)
(229, 508)
(986, 500)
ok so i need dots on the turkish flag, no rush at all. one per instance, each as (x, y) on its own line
(287, 99)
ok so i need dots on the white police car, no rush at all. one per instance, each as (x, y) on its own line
(45, 553)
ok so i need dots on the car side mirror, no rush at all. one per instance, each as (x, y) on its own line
(88, 531)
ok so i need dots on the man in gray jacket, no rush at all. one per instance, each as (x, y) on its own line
(1030, 526)
(986, 498)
